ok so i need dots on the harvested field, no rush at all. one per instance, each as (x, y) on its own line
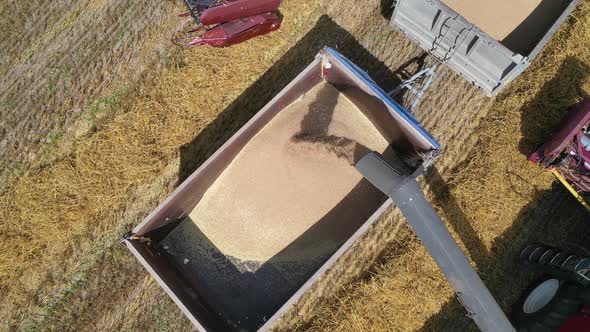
(61, 267)
(65, 64)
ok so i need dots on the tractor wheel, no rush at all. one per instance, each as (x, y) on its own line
(546, 305)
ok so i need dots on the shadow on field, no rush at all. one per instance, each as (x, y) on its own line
(552, 217)
(387, 7)
(541, 116)
(454, 215)
(325, 33)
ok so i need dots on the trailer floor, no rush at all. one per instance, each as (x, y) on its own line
(243, 292)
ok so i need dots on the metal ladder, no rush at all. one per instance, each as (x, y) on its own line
(451, 34)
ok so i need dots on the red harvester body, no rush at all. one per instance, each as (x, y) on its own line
(224, 23)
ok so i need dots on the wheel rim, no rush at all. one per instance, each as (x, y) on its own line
(540, 296)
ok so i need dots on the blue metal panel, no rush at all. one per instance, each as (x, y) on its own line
(361, 74)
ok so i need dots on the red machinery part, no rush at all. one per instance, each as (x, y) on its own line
(567, 151)
(579, 322)
(576, 118)
(234, 10)
(237, 31)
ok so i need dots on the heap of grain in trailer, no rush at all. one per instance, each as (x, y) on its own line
(263, 219)
(490, 43)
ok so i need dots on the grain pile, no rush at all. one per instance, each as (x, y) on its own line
(519, 24)
(298, 171)
(497, 18)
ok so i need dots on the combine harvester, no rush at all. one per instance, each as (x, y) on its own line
(567, 153)
(222, 23)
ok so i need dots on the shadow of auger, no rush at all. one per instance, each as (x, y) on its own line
(454, 214)
(325, 33)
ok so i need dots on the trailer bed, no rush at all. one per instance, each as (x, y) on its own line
(262, 220)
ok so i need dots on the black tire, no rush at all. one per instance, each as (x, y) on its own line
(551, 316)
